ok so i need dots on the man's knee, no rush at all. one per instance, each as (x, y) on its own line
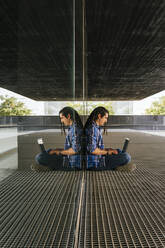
(127, 157)
(40, 158)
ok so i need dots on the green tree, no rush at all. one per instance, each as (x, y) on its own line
(10, 106)
(85, 108)
(157, 107)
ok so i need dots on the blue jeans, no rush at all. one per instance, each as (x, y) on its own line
(115, 160)
(52, 161)
(58, 161)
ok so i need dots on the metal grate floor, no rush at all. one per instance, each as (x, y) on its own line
(117, 209)
(123, 210)
(39, 209)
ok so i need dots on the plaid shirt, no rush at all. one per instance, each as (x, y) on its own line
(73, 140)
(94, 140)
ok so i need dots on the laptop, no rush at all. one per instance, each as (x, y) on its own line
(125, 146)
(41, 144)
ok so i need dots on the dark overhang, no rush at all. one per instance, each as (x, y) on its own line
(94, 50)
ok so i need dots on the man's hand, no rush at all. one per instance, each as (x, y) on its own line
(54, 151)
(105, 151)
(112, 151)
(59, 151)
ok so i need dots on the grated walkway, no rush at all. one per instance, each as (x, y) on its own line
(123, 210)
(117, 210)
(39, 209)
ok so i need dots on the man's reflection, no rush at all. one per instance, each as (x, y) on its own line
(97, 156)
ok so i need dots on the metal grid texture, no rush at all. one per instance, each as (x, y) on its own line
(116, 209)
(123, 210)
(39, 209)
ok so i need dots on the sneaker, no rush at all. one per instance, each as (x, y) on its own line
(38, 167)
(127, 167)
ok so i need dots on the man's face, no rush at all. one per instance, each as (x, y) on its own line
(101, 121)
(66, 121)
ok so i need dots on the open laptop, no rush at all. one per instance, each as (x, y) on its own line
(125, 146)
(41, 144)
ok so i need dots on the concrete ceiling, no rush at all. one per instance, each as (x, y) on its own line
(41, 50)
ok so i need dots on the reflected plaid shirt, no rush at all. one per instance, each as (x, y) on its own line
(73, 140)
(94, 140)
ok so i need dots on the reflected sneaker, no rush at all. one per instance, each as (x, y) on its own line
(127, 167)
(38, 167)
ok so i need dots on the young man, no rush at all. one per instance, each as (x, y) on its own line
(55, 158)
(97, 155)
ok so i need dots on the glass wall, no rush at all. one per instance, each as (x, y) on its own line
(45, 52)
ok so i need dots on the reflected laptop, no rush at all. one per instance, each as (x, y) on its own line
(125, 146)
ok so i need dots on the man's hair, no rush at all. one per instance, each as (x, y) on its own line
(94, 115)
(74, 116)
